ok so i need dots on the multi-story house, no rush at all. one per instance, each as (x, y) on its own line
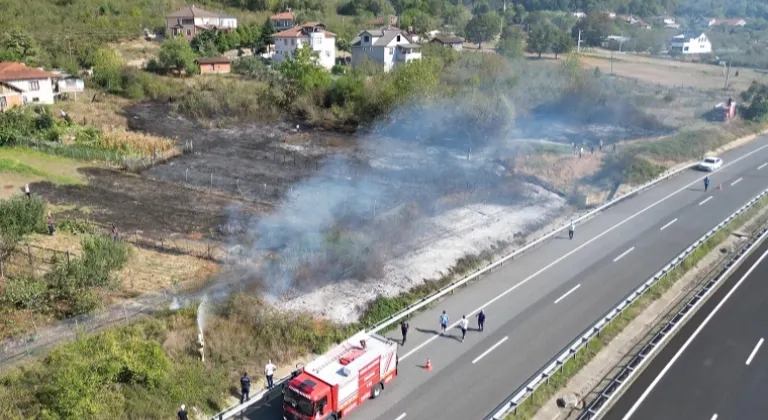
(35, 85)
(387, 47)
(313, 34)
(190, 21)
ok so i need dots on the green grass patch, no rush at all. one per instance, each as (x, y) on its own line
(16, 167)
(384, 307)
(529, 408)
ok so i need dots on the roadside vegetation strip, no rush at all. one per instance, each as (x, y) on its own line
(531, 405)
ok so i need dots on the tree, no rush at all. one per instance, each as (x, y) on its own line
(757, 98)
(267, 30)
(303, 71)
(17, 45)
(540, 38)
(420, 21)
(203, 42)
(343, 44)
(562, 43)
(595, 27)
(176, 54)
(107, 66)
(511, 43)
(483, 28)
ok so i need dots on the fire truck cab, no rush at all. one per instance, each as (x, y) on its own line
(336, 383)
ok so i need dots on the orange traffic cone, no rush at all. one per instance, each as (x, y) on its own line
(428, 366)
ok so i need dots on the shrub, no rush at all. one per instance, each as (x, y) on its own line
(24, 292)
(101, 257)
(77, 227)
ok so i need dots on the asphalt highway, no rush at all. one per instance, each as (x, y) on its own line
(538, 303)
(716, 367)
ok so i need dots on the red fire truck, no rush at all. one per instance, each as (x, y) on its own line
(336, 383)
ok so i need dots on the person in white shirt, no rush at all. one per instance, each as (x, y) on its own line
(571, 229)
(463, 324)
(269, 372)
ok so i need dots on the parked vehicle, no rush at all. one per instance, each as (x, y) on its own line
(336, 383)
(710, 164)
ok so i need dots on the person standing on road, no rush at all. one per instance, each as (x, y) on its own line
(269, 372)
(443, 322)
(245, 388)
(706, 183)
(480, 320)
(463, 324)
(571, 229)
(614, 147)
(182, 414)
(404, 330)
(600, 145)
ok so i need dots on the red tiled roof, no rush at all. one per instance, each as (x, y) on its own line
(730, 22)
(213, 60)
(283, 16)
(295, 32)
(10, 71)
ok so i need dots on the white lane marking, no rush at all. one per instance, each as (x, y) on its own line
(736, 182)
(762, 166)
(400, 417)
(567, 293)
(555, 262)
(624, 254)
(668, 224)
(708, 198)
(714, 417)
(691, 338)
(490, 349)
(754, 351)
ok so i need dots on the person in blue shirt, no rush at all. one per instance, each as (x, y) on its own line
(443, 322)
(245, 388)
(481, 320)
(706, 184)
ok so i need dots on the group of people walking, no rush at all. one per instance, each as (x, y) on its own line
(444, 320)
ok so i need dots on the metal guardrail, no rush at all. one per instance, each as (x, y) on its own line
(241, 408)
(556, 364)
(264, 395)
(449, 288)
(595, 409)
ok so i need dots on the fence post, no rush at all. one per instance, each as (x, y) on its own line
(67, 259)
(29, 253)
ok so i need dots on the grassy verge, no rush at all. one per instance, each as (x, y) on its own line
(33, 164)
(145, 370)
(642, 162)
(531, 406)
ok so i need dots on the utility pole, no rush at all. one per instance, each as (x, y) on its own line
(727, 74)
(611, 62)
(578, 43)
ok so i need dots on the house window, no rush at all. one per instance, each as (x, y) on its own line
(398, 38)
(34, 85)
(365, 38)
(391, 50)
(189, 32)
(3, 103)
(35, 99)
(293, 42)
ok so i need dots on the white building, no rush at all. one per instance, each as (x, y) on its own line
(190, 21)
(311, 33)
(690, 43)
(284, 20)
(36, 85)
(227, 22)
(388, 47)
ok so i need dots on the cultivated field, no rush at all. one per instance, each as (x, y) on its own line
(669, 72)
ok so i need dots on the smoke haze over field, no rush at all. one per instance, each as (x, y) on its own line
(365, 207)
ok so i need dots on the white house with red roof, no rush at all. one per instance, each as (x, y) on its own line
(313, 34)
(36, 85)
(284, 20)
(709, 22)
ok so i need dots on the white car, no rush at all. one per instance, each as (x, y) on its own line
(710, 164)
